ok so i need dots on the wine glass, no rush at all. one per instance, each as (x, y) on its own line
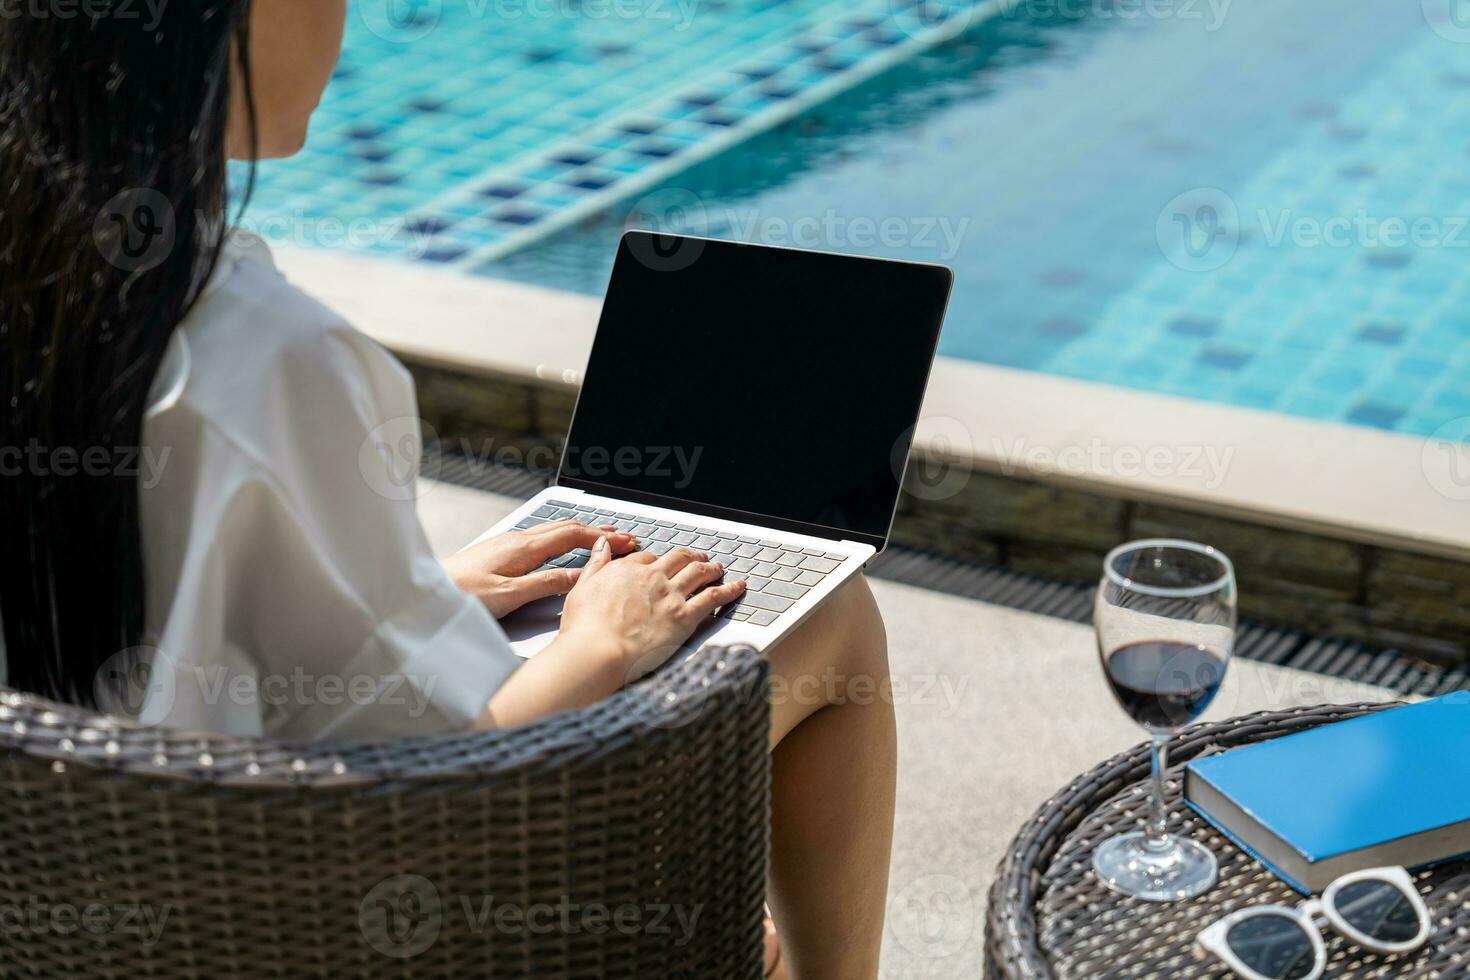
(1165, 624)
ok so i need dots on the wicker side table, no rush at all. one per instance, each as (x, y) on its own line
(1049, 916)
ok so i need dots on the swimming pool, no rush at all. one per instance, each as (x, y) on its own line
(1261, 205)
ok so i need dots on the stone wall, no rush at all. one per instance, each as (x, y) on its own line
(1308, 581)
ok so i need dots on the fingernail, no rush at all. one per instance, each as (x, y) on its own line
(601, 545)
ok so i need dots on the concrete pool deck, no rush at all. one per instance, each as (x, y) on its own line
(1005, 707)
(1340, 529)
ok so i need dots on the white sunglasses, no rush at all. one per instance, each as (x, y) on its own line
(1378, 909)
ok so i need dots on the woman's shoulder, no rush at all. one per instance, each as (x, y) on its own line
(256, 339)
(252, 310)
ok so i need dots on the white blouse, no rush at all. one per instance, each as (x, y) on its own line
(291, 588)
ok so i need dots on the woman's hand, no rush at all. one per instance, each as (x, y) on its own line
(633, 613)
(495, 571)
(621, 620)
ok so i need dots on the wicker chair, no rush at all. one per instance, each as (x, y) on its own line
(626, 840)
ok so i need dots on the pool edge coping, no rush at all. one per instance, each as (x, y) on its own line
(1358, 484)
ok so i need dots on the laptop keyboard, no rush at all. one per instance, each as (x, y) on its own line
(776, 574)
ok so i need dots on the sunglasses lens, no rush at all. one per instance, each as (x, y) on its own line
(1274, 946)
(1379, 910)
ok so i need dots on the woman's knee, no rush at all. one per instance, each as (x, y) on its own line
(848, 629)
(860, 612)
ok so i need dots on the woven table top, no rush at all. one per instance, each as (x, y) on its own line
(1049, 915)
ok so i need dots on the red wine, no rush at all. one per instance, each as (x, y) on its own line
(1164, 684)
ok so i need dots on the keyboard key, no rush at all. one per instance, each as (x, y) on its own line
(661, 547)
(742, 565)
(814, 553)
(768, 553)
(764, 569)
(668, 524)
(754, 584)
(557, 503)
(727, 535)
(661, 534)
(549, 510)
(748, 550)
(762, 618)
(643, 530)
(626, 517)
(808, 579)
(600, 511)
(759, 600)
(837, 558)
(823, 565)
(746, 540)
(785, 589)
(528, 523)
(705, 542)
(576, 561)
(792, 558)
(770, 544)
(686, 539)
(685, 527)
(784, 574)
(741, 615)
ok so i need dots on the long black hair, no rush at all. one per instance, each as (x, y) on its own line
(113, 192)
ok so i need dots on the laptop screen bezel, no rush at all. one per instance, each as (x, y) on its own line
(944, 281)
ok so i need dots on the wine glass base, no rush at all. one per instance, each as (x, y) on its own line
(1131, 865)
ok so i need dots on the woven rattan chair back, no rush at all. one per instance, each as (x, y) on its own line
(625, 840)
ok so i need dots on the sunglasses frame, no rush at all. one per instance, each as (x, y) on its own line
(1213, 938)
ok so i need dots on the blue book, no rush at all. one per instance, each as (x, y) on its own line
(1389, 788)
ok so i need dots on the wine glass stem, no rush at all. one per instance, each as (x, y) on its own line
(1158, 821)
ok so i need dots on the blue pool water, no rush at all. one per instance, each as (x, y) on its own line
(1266, 205)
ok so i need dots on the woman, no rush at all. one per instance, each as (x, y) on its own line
(247, 543)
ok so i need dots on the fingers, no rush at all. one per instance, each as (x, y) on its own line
(602, 553)
(670, 563)
(712, 598)
(694, 575)
(559, 537)
(553, 581)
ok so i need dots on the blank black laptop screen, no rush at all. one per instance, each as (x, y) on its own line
(742, 380)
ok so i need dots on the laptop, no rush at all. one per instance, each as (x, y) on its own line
(751, 402)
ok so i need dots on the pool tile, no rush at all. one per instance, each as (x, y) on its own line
(1381, 333)
(1375, 414)
(1226, 358)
